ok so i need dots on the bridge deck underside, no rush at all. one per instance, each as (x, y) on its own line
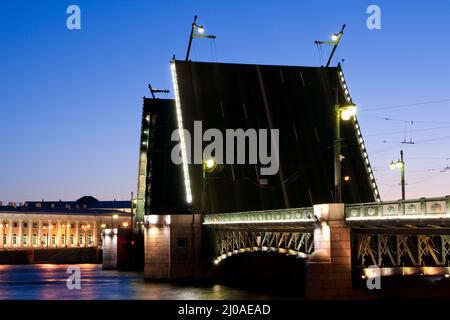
(286, 240)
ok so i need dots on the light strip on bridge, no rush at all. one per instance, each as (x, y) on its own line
(187, 182)
(259, 221)
(427, 217)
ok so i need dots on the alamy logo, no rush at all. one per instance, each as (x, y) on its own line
(373, 277)
(373, 22)
(73, 21)
(74, 280)
(229, 149)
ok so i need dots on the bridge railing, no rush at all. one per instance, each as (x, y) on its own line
(296, 215)
(423, 208)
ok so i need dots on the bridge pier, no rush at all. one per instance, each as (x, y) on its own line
(172, 246)
(328, 270)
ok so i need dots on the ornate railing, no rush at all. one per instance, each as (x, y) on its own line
(400, 250)
(291, 243)
(423, 208)
(297, 215)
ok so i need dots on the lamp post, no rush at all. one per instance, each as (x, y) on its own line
(345, 113)
(50, 227)
(208, 165)
(113, 217)
(85, 230)
(64, 235)
(400, 164)
(3, 235)
(199, 34)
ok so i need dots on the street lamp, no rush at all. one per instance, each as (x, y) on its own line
(208, 166)
(64, 234)
(113, 217)
(199, 34)
(85, 230)
(400, 164)
(3, 226)
(50, 227)
(345, 113)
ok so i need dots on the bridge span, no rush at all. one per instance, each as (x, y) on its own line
(400, 237)
(337, 241)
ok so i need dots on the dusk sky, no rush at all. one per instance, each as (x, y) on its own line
(71, 100)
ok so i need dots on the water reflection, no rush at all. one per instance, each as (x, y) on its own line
(48, 281)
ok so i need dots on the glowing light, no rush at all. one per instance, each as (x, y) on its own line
(153, 231)
(346, 178)
(392, 166)
(399, 164)
(409, 217)
(115, 216)
(200, 29)
(152, 219)
(187, 182)
(258, 221)
(125, 224)
(103, 226)
(348, 111)
(210, 163)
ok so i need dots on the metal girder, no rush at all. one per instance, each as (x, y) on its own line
(234, 241)
(400, 250)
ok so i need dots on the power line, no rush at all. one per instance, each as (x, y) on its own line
(406, 105)
(402, 132)
(410, 121)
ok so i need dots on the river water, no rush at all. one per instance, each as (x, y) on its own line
(49, 282)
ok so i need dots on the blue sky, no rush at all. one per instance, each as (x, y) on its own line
(70, 101)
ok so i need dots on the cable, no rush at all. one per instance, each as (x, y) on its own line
(407, 105)
(410, 121)
(403, 132)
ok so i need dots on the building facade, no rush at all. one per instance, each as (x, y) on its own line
(51, 225)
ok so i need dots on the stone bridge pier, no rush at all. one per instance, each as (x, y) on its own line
(172, 246)
(329, 269)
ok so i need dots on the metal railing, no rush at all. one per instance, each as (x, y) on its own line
(423, 208)
(296, 215)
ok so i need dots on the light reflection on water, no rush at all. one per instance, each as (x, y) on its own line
(48, 282)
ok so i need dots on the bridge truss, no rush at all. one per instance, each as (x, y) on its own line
(231, 242)
(401, 250)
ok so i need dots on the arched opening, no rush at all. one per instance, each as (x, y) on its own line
(271, 272)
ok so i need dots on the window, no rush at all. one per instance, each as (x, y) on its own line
(63, 240)
(25, 225)
(35, 239)
(14, 224)
(35, 225)
(4, 239)
(25, 239)
(182, 243)
(72, 239)
(81, 240)
(44, 239)
(14, 239)
(90, 239)
(53, 239)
